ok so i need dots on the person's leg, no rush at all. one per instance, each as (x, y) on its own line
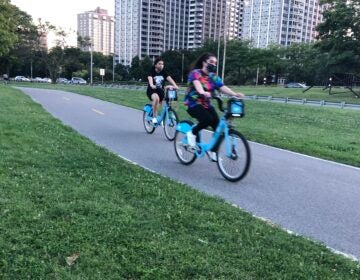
(202, 115)
(214, 118)
(155, 102)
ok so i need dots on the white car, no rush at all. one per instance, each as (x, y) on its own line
(78, 81)
(21, 79)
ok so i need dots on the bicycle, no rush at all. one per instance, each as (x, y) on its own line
(168, 117)
(230, 146)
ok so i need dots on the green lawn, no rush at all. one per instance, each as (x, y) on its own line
(316, 93)
(62, 196)
(317, 131)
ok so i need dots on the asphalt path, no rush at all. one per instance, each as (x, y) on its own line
(309, 196)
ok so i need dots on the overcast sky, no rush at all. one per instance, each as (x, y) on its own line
(62, 13)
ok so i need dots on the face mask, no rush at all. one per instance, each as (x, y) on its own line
(211, 68)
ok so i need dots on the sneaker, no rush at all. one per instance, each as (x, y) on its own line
(154, 121)
(191, 139)
(212, 156)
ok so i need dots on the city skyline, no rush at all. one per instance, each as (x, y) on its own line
(62, 14)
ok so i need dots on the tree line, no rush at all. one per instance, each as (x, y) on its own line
(336, 51)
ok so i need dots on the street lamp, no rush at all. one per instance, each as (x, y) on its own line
(182, 67)
(91, 62)
(113, 54)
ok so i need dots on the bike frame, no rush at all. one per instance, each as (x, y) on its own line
(164, 116)
(222, 128)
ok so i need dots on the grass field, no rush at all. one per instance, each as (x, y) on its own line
(328, 133)
(72, 210)
(316, 93)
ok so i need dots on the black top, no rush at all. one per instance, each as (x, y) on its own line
(159, 78)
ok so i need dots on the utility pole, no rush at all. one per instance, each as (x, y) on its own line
(113, 67)
(219, 39)
(182, 67)
(91, 62)
(225, 33)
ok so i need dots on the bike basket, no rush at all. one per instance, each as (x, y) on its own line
(171, 94)
(236, 108)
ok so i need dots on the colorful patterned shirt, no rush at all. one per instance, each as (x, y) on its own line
(209, 82)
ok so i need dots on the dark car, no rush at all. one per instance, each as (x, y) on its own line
(295, 85)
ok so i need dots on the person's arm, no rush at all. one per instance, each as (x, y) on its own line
(228, 91)
(151, 84)
(200, 89)
(171, 81)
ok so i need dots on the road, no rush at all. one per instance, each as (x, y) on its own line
(309, 196)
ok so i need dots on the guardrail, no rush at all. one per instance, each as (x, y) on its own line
(305, 101)
(288, 100)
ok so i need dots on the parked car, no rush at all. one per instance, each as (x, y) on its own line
(46, 80)
(295, 85)
(62, 81)
(36, 80)
(78, 80)
(21, 79)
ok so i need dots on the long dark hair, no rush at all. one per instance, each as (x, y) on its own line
(199, 62)
(156, 62)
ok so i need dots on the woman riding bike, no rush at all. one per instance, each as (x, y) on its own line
(203, 81)
(156, 83)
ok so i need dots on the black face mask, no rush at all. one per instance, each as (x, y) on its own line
(211, 68)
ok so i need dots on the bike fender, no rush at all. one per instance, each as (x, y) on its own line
(147, 108)
(184, 126)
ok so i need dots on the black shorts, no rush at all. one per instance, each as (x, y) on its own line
(159, 91)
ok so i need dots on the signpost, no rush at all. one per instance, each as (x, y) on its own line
(102, 74)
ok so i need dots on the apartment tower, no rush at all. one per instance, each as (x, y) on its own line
(150, 27)
(283, 22)
(99, 27)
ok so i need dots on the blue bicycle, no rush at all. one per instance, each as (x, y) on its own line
(230, 146)
(168, 117)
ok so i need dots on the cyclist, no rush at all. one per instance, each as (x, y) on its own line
(156, 82)
(203, 81)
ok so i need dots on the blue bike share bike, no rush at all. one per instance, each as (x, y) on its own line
(168, 117)
(230, 146)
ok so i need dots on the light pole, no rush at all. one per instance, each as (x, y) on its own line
(113, 67)
(91, 62)
(182, 67)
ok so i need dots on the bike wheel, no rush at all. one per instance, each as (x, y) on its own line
(149, 128)
(170, 125)
(235, 167)
(184, 153)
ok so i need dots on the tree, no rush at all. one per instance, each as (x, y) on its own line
(339, 35)
(135, 71)
(18, 37)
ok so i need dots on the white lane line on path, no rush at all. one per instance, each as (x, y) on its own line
(97, 112)
(66, 98)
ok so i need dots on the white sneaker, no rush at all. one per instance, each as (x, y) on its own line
(212, 156)
(191, 139)
(154, 121)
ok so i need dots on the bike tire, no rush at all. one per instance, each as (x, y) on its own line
(236, 167)
(170, 125)
(184, 153)
(149, 127)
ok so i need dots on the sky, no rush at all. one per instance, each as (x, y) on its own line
(62, 13)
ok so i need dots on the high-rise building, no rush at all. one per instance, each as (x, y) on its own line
(149, 27)
(283, 22)
(99, 27)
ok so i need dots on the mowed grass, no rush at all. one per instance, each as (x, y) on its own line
(62, 196)
(327, 133)
(338, 94)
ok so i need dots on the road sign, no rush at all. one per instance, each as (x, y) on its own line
(102, 72)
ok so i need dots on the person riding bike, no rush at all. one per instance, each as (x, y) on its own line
(156, 83)
(203, 81)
